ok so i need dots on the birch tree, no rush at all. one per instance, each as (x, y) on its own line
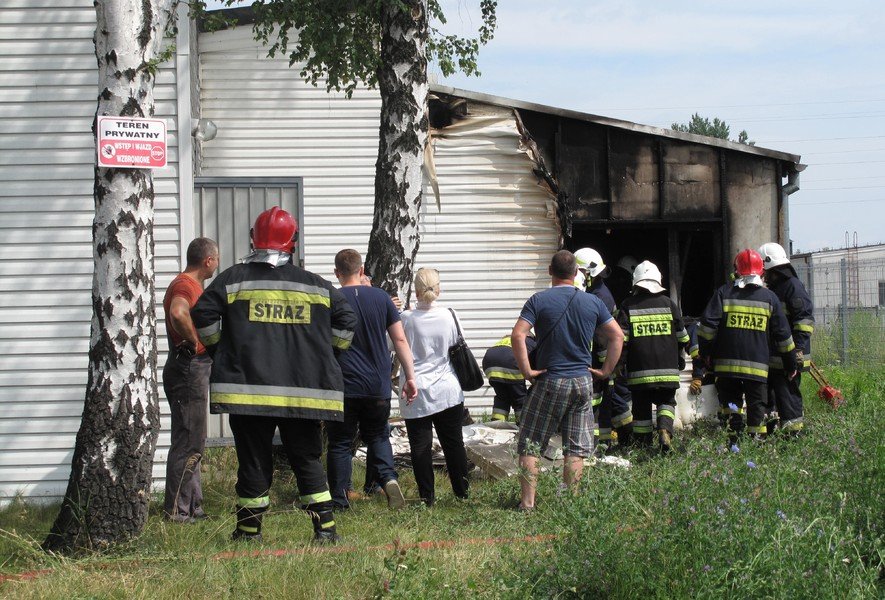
(108, 492)
(383, 43)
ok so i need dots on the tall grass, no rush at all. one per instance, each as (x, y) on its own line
(866, 339)
(787, 518)
(784, 518)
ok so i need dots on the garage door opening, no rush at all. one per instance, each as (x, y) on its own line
(688, 257)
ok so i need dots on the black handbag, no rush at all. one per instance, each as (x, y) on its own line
(533, 355)
(466, 369)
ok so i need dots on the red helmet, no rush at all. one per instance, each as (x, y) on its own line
(748, 262)
(275, 229)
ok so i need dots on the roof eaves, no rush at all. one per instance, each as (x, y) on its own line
(616, 123)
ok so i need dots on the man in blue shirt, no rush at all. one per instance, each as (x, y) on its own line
(565, 321)
(366, 370)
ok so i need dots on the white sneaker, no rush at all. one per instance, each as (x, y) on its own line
(395, 498)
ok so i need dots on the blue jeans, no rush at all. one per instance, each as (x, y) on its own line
(371, 415)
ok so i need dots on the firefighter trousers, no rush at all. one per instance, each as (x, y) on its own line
(303, 442)
(733, 392)
(614, 410)
(643, 398)
(785, 396)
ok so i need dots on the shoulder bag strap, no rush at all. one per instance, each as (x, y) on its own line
(555, 325)
(458, 327)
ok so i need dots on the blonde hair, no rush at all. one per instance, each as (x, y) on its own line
(427, 285)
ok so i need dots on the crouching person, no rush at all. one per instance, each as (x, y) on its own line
(273, 330)
(503, 374)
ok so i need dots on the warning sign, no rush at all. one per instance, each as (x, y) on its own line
(127, 143)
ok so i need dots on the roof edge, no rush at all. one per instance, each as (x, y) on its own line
(616, 123)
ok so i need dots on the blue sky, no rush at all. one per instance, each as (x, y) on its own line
(806, 77)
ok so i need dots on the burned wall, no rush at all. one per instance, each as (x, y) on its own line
(751, 185)
(634, 170)
(691, 186)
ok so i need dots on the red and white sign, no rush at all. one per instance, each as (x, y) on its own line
(127, 143)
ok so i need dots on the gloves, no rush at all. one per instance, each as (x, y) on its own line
(681, 361)
(695, 388)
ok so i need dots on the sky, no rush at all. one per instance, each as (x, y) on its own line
(805, 77)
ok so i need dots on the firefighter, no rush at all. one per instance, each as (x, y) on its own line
(273, 330)
(741, 322)
(611, 398)
(504, 376)
(654, 338)
(620, 282)
(784, 395)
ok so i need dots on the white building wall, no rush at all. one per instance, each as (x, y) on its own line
(492, 240)
(48, 90)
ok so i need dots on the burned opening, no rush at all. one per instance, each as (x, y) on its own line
(687, 257)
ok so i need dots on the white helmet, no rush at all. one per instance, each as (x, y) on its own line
(590, 260)
(773, 255)
(648, 276)
(628, 263)
(580, 280)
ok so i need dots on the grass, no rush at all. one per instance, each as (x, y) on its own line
(866, 339)
(784, 518)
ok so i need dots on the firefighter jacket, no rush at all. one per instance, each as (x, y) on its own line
(500, 368)
(799, 311)
(601, 291)
(737, 329)
(273, 333)
(654, 337)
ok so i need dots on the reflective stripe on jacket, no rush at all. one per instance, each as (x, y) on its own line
(799, 311)
(737, 329)
(654, 337)
(273, 333)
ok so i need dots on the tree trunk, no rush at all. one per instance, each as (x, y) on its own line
(402, 81)
(108, 492)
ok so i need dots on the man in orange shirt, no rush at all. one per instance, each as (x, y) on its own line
(186, 383)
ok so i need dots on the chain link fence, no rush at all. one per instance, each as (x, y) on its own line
(849, 307)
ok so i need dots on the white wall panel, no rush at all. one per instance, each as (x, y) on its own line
(492, 240)
(48, 89)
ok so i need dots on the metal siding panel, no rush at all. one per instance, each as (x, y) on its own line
(492, 203)
(47, 103)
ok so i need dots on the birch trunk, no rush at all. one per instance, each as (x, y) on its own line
(402, 81)
(108, 492)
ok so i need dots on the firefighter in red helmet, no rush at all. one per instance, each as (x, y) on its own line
(273, 330)
(741, 323)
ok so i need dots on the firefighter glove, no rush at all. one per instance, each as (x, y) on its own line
(695, 387)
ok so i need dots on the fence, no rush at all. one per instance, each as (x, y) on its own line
(849, 308)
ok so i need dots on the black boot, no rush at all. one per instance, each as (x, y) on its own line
(665, 440)
(248, 524)
(323, 523)
(666, 415)
(625, 435)
(643, 440)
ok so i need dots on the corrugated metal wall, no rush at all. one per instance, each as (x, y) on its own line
(48, 89)
(492, 240)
